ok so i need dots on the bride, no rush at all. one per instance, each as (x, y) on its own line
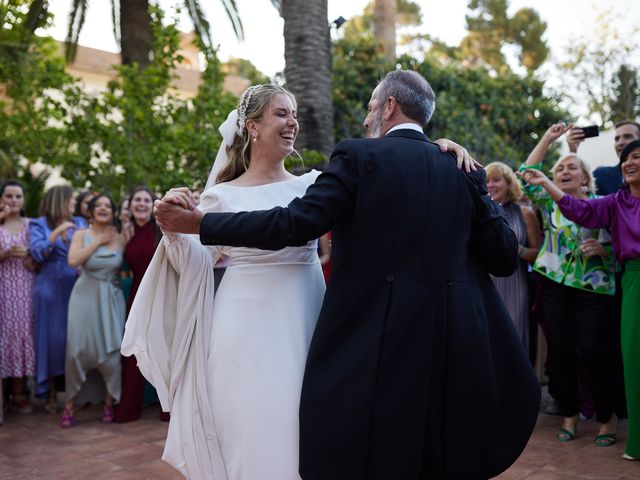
(230, 369)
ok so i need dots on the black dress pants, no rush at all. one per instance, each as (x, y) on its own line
(580, 322)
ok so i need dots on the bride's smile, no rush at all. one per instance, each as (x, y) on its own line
(278, 129)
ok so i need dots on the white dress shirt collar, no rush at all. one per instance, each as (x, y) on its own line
(410, 126)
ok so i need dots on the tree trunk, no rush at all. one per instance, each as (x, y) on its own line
(308, 72)
(136, 34)
(385, 13)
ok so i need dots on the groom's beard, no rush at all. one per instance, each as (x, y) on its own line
(374, 130)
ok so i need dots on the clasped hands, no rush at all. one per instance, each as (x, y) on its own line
(177, 213)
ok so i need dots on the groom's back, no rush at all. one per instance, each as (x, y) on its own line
(365, 400)
(412, 208)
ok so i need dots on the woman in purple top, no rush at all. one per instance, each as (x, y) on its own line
(50, 236)
(620, 213)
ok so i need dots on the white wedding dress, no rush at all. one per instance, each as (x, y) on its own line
(229, 368)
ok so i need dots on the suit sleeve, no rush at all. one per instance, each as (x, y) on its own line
(328, 201)
(493, 244)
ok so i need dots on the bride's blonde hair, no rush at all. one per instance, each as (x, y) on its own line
(253, 103)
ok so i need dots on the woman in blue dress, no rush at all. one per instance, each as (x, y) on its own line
(50, 236)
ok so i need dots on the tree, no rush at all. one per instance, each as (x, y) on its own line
(137, 132)
(591, 63)
(495, 117)
(625, 101)
(358, 65)
(385, 13)
(29, 121)
(307, 52)
(244, 68)
(132, 26)
(490, 29)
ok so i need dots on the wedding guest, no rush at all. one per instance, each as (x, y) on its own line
(17, 354)
(505, 189)
(50, 236)
(96, 308)
(126, 229)
(4, 211)
(82, 205)
(619, 212)
(143, 239)
(578, 288)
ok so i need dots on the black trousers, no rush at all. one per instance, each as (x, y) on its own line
(580, 323)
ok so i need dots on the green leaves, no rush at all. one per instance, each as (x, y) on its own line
(497, 117)
(137, 131)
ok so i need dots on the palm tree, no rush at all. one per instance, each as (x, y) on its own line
(308, 73)
(132, 26)
(385, 14)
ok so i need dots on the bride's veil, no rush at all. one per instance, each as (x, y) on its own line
(229, 129)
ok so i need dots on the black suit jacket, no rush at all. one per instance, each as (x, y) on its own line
(414, 369)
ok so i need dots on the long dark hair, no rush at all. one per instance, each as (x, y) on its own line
(94, 200)
(79, 199)
(12, 183)
(142, 188)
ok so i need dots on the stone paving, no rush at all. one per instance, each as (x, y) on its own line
(34, 447)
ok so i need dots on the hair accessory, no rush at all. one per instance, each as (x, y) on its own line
(242, 108)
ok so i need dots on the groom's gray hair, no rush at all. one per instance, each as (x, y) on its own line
(412, 92)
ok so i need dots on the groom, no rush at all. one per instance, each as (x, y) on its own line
(414, 369)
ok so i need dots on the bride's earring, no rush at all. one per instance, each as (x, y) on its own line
(255, 137)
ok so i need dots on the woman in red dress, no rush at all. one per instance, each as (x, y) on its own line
(143, 236)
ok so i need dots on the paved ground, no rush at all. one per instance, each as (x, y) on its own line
(34, 447)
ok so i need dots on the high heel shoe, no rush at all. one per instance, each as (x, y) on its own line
(107, 414)
(67, 420)
(626, 456)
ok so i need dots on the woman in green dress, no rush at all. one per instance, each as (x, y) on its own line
(96, 309)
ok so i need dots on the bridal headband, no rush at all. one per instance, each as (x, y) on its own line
(232, 126)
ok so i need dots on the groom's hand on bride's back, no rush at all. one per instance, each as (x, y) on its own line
(176, 212)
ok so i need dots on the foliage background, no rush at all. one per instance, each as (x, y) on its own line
(139, 131)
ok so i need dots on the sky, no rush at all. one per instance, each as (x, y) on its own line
(264, 43)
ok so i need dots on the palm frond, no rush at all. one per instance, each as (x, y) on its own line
(199, 19)
(231, 8)
(115, 19)
(77, 16)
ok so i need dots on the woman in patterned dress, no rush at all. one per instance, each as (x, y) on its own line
(578, 288)
(17, 354)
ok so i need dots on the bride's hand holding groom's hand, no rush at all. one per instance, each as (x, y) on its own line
(176, 212)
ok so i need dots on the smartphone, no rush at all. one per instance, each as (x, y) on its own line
(590, 131)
